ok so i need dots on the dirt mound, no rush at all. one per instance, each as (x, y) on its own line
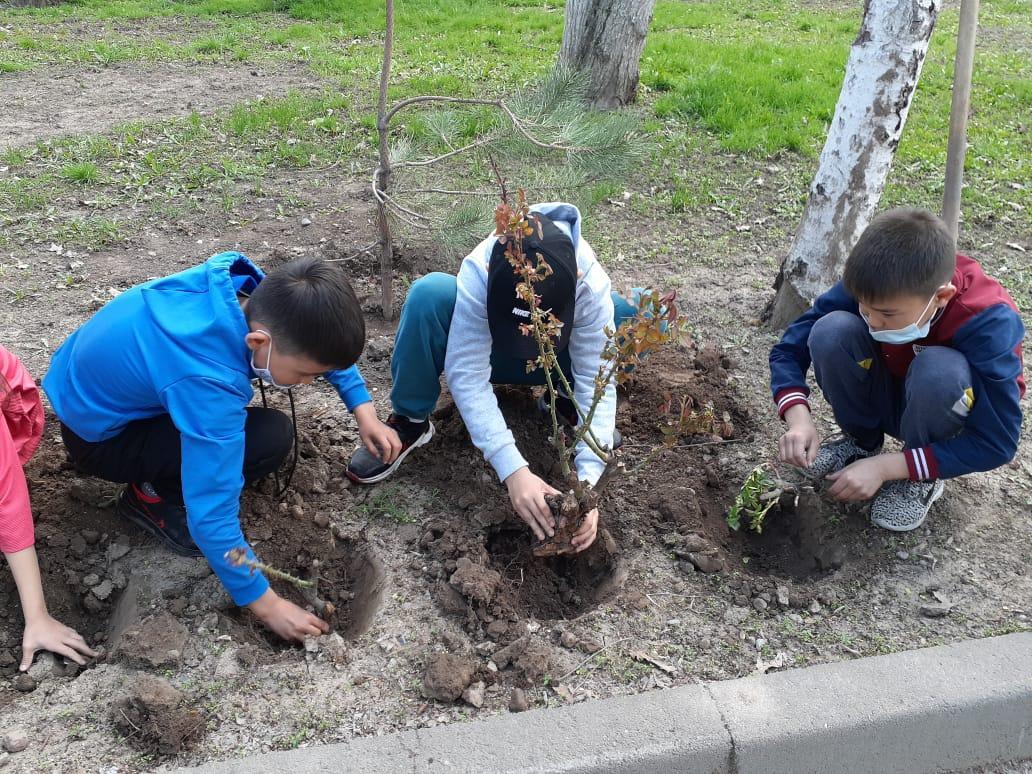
(156, 717)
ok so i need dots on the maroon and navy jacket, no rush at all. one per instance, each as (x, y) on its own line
(981, 322)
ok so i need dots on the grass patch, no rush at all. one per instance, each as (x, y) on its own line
(387, 503)
(84, 173)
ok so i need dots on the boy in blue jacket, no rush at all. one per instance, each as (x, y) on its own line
(153, 391)
(917, 342)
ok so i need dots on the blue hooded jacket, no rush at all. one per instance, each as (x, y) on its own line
(176, 346)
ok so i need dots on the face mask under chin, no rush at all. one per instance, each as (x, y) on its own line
(912, 332)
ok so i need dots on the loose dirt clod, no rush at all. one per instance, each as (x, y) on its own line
(474, 580)
(153, 716)
(518, 701)
(155, 643)
(447, 676)
(15, 740)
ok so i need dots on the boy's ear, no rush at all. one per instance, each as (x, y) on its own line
(944, 294)
(255, 340)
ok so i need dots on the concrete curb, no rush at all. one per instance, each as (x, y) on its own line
(936, 709)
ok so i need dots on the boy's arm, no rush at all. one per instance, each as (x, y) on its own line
(594, 313)
(210, 416)
(990, 436)
(790, 357)
(467, 367)
(350, 386)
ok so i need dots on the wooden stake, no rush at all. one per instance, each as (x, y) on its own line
(957, 148)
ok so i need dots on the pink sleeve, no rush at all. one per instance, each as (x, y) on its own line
(21, 428)
(20, 405)
(15, 513)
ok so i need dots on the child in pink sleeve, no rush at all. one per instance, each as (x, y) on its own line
(21, 427)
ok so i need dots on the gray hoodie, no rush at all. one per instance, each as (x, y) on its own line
(467, 365)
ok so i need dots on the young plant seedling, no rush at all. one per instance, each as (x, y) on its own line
(655, 324)
(759, 494)
(308, 587)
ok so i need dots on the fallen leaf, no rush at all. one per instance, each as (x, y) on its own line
(640, 655)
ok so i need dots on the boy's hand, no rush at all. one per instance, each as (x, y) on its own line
(46, 633)
(286, 619)
(858, 481)
(800, 442)
(527, 493)
(381, 440)
(586, 534)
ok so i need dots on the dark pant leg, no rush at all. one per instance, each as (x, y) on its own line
(939, 394)
(848, 366)
(149, 450)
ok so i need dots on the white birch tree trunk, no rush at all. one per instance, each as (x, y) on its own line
(882, 72)
(604, 39)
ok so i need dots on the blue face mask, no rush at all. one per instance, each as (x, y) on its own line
(912, 332)
(264, 373)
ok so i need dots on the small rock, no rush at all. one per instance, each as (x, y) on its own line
(815, 607)
(706, 563)
(7, 658)
(15, 740)
(103, 589)
(782, 596)
(935, 610)
(474, 694)
(759, 604)
(116, 551)
(496, 629)
(92, 604)
(379, 348)
(321, 520)
(828, 597)
(518, 701)
(903, 555)
(24, 683)
(91, 536)
(297, 512)
(91, 580)
(741, 600)
(306, 221)
(569, 640)
(736, 616)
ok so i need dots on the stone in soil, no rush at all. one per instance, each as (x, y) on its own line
(446, 676)
(155, 643)
(474, 694)
(154, 715)
(518, 701)
(15, 740)
(707, 563)
(24, 683)
(935, 610)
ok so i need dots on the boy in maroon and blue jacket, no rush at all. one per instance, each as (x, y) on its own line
(917, 342)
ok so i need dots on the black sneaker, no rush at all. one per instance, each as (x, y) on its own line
(165, 520)
(365, 468)
(567, 412)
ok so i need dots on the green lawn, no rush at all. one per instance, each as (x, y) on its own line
(756, 78)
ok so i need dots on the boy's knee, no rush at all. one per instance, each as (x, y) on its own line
(432, 294)
(832, 331)
(941, 375)
(270, 434)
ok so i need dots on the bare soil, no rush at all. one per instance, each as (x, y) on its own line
(57, 101)
(433, 561)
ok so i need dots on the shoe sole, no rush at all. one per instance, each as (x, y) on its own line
(421, 441)
(936, 494)
(131, 513)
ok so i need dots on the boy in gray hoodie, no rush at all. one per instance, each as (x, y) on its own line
(468, 328)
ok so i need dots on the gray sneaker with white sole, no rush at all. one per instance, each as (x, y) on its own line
(902, 506)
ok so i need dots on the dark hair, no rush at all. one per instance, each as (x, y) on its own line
(904, 252)
(310, 310)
